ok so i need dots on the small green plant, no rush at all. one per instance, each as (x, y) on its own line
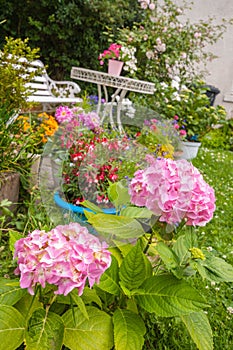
(220, 137)
(15, 75)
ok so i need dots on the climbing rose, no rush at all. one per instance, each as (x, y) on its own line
(66, 257)
(173, 191)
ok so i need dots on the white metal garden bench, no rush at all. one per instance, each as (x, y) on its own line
(49, 92)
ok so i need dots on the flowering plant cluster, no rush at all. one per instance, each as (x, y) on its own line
(189, 109)
(42, 126)
(121, 53)
(85, 175)
(173, 191)
(98, 157)
(84, 292)
(67, 256)
(162, 26)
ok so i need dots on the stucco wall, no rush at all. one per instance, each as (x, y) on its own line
(220, 69)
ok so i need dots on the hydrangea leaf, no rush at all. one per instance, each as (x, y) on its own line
(45, 331)
(12, 327)
(183, 244)
(215, 269)
(168, 296)
(116, 227)
(118, 194)
(136, 213)
(199, 329)
(129, 330)
(135, 268)
(79, 302)
(109, 281)
(10, 291)
(88, 334)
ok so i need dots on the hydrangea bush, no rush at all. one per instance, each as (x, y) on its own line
(89, 294)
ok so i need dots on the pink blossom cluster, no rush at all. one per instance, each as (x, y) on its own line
(173, 191)
(112, 52)
(67, 256)
(180, 128)
(90, 120)
(64, 114)
(147, 4)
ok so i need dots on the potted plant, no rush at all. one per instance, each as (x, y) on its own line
(92, 156)
(190, 111)
(118, 57)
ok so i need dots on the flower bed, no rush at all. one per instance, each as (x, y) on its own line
(97, 157)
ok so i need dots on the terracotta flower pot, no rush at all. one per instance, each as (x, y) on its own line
(9, 188)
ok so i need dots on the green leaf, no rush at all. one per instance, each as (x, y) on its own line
(88, 214)
(123, 248)
(45, 331)
(10, 291)
(109, 281)
(12, 327)
(27, 305)
(199, 329)
(79, 302)
(115, 251)
(94, 333)
(135, 268)
(136, 213)
(116, 227)
(183, 244)
(90, 296)
(118, 194)
(92, 206)
(169, 258)
(13, 237)
(215, 269)
(168, 296)
(129, 330)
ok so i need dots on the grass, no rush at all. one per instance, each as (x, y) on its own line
(217, 169)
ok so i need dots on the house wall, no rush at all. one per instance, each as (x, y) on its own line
(221, 69)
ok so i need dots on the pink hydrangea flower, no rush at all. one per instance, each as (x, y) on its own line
(66, 257)
(173, 191)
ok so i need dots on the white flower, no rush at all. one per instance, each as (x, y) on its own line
(230, 309)
(150, 55)
(152, 6)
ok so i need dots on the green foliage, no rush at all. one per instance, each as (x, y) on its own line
(12, 326)
(199, 328)
(14, 76)
(121, 293)
(68, 33)
(220, 137)
(129, 330)
(169, 46)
